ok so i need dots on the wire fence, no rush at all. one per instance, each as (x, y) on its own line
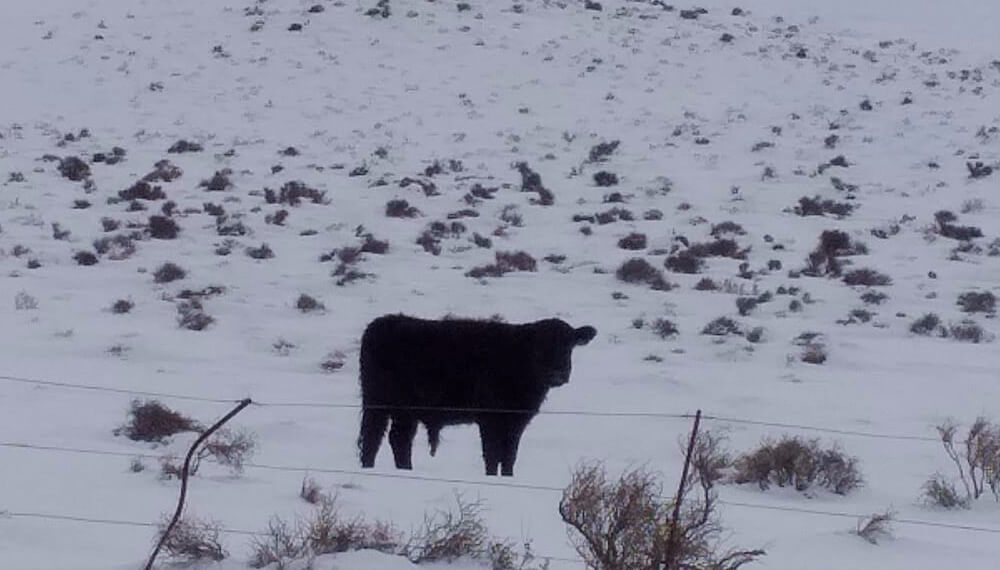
(548, 412)
(488, 483)
(552, 489)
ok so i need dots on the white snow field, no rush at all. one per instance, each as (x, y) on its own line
(711, 128)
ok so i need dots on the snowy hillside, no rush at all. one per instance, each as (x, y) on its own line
(274, 148)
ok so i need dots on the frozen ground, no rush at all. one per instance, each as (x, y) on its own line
(710, 131)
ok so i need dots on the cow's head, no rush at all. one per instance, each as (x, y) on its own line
(554, 341)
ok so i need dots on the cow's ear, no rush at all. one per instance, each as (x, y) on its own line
(583, 335)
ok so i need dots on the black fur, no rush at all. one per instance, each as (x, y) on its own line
(459, 371)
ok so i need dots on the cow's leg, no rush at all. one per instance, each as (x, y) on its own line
(404, 428)
(373, 424)
(491, 436)
(511, 440)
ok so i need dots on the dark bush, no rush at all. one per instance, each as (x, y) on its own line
(633, 241)
(375, 246)
(874, 297)
(867, 277)
(182, 146)
(968, 331)
(605, 179)
(292, 193)
(800, 464)
(722, 326)
(277, 218)
(142, 190)
(73, 168)
(262, 252)
(975, 302)
(706, 284)
(531, 181)
(191, 315)
(652, 215)
(684, 262)
(601, 152)
(85, 258)
(926, 325)
(638, 270)
(162, 227)
(719, 230)
(816, 206)
(168, 272)
(213, 209)
(961, 233)
(164, 171)
(308, 304)
(506, 262)
(116, 247)
(745, 305)
(122, 306)
(152, 421)
(110, 224)
(664, 328)
(718, 248)
(218, 182)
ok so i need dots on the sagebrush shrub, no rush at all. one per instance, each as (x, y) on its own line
(85, 258)
(150, 420)
(122, 306)
(142, 190)
(927, 325)
(219, 181)
(633, 241)
(400, 209)
(684, 262)
(162, 227)
(816, 206)
(798, 463)
(867, 277)
(722, 326)
(193, 540)
(622, 524)
(260, 253)
(191, 315)
(308, 304)
(604, 179)
(968, 331)
(665, 328)
(638, 270)
(168, 272)
(292, 193)
(977, 302)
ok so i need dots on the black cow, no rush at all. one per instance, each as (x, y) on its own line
(459, 371)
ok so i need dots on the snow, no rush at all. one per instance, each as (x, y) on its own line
(490, 91)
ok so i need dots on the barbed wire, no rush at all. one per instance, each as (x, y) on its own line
(504, 484)
(548, 412)
(221, 529)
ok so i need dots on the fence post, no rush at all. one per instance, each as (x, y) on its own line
(671, 551)
(184, 477)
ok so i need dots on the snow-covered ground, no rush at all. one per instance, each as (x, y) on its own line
(710, 131)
